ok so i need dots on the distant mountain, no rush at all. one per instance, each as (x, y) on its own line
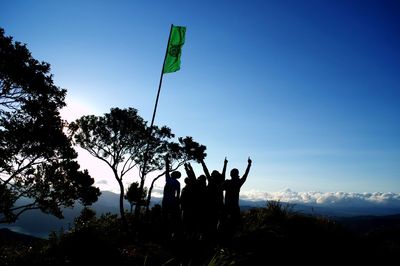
(347, 211)
(7, 236)
(38, 224)
(333, 210)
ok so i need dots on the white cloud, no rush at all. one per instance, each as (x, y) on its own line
(157, 192)
(326, 198)
(102, 182)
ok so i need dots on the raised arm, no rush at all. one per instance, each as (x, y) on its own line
(224, 169)
(189, 171)
(244, 177)
(205, 169)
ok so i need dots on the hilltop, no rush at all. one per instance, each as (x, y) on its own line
(271, 233)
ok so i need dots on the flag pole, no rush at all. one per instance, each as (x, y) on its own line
(152, 120)
(161, 78)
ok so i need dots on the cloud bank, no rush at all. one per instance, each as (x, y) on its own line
(374, 199)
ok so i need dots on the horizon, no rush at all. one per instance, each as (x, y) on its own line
(336, 199)
(330, 205)
(308, 90)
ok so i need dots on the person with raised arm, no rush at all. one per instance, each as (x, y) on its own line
(170, 201)
(232, 191)
(188, 201)
(215, 198)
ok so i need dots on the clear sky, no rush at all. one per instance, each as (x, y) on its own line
(309, 89)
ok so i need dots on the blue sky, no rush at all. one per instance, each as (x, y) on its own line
(309, 89)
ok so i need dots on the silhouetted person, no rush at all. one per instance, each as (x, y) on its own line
(232, 190)
(215, 198)
(193, 203)
(188, 205)
(201, 204)
(170, 201)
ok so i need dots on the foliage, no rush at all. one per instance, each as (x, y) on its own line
(267, 235)
(134, 195)
(38, 169)
(122, 139)
(223, 258)
(100, 241)
(91, 240)
(274, 212)
(118, 138)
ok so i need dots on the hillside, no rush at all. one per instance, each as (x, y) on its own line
(271, 233)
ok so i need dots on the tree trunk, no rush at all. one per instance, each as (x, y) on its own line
(149, 193)
(121, 204)
(139, 203)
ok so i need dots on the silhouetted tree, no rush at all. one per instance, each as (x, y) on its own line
(116, 138)
(157, 142)
(122, 139)
(134, 195)
(37, 160)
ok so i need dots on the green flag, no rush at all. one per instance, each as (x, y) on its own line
(172, 61)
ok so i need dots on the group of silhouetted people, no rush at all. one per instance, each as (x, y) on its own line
(201, 210)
